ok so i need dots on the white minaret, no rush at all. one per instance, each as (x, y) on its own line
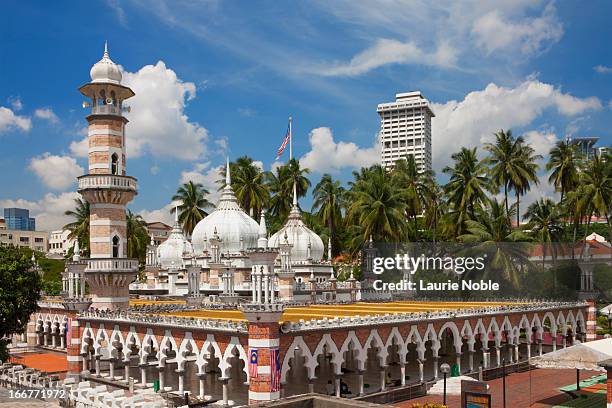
(262, 241)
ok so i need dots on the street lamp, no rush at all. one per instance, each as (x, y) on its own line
(504, 381)
(445, 369)
(610, 320)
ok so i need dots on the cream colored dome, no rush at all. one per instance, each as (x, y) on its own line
(300, 236)
(105, 70)
(230, 222)
(171, 252)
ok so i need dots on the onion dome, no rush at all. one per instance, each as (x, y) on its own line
(105, 70)
(306, 244)
(232, 224)
(171, 252)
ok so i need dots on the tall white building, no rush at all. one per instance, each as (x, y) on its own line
(405, 129)
(59, 243)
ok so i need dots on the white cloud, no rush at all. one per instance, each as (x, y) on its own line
(206, 175)
(541, 141)
(495, 32)
(56, 172)
(8, 121)
(120, 13)
(158, 122)
(46, 114)
(602, 69)
(48, 211)
(80, 148)
(390, 51)
(326, 155)
(161, 215)
(472, 121)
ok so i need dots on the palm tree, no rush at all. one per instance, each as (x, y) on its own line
(435, 207)
(562, 162)
(376, 207)
(193, 205)
(79, 229)
(526, 173)
(248, 182)
(328, 200)
(544, 222)
(492, 232)
(596, 190)
(137, 236)
(467, 186)
(280, 186)
(293, 174)
(413, 186)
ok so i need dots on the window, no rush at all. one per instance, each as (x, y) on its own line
(24, 239)
(115, 247)
(115, 164)
(36, 239)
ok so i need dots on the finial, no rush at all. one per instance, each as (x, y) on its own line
(176, 217)
(106, 49)
(329, 249)
(228, 178)
(152, 240)
(76, 256)
(294, 194)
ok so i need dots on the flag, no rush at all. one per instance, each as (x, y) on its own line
(68, 332)
(281, 149)
(253, 363)
(275, 370)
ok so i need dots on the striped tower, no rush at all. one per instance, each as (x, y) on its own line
(264, 339)
(107, 188)
(591, 321)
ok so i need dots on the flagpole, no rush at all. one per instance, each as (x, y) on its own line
(290, 139)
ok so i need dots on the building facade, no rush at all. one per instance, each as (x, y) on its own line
(59, 243)
(158, 231)
(405, 130)
(36, 240)
(19, 219)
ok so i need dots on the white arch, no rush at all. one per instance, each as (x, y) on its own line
(431, 335)
(181, 354)
(352, 339)
(225, 365)
(326, 340)
(101, 336)
(131, 338)
(117, 336)
(553, 322)
(309, 361)
(415, 337)
(457, 339)
(402, 347)
(203, 357)
(165, 344)
(466, 331)
(88, 334)
(382, 350)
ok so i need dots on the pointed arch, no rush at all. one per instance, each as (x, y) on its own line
(326, 340)
(225, 365)
(457, 339)
(310, 362)
(204, 355)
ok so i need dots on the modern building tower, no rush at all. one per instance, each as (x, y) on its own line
(107, 188)
(19, 219)
(405, 130)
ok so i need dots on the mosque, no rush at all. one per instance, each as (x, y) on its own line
(235, 317)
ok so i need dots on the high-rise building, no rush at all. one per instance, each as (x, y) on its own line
(19, 219)
(405, 130)
(586, 146)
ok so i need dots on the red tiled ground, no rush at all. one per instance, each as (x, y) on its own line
(48, 362)
(537, 388)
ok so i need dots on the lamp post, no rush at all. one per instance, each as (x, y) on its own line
(445, 369)
(610, 320)
(504, 381)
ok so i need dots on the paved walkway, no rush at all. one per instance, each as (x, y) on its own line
(536, 388)
(7, 402)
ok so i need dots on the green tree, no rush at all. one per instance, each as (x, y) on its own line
(562, 162)
(596, 190)
(79, 228)
(248, 182)
(19, 293)
(544, 222)
(413, 185)
(193, 205)
(280, 186)
(328, 201)
(137, 236)
(526, 174)
(466, 188)
(376, 207)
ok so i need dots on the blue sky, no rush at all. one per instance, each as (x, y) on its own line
(221, 77)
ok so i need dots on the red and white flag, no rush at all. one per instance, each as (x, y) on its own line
(286, 140)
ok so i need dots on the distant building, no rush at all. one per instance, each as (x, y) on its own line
(159, 231)
(36, 240)
(59, 244)
(405, 130)
(586, 146)
(2, 224)
(19, 219)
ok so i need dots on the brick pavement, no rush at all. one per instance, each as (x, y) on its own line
(537, 388)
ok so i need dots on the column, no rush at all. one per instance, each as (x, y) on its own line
(498, 355)
(528, 351)
(510, 353)
(564, 342)
(85, 362)
(97, 363)
(143, 374)
(382, 379)
(53, 339)
(126, 370)
(161, 374)
(540, 346)
(471, 360)
(82, 285)
(111, 368)
(63, 340)
(202, 389)
(421, 371)
(435, 367)
(486, 356)
(337, 385)
(266, 278)
(360, 382)
(403, 374)
(225, 391)
(254, 286)
(181, 381)
(554, 342)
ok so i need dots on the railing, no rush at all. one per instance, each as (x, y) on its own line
(106, 110)
(112, 265)
(107, 181)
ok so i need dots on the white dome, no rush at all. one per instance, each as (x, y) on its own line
(230, 222)
(105, 70)
(170, 253)
(300, 236)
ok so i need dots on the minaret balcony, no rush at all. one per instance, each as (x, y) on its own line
(107, 181)
(108, 109)
(116, 265)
